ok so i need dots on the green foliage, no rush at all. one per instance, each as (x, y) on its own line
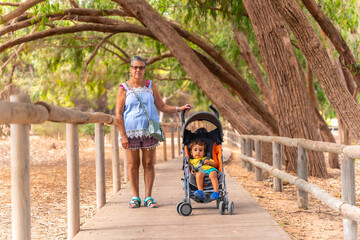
(343, 13)
(89, 130)
(96, 4)
(54, 69)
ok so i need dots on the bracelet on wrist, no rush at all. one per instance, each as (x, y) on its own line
(177, 109)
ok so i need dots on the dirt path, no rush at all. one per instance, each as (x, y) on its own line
(48, 193)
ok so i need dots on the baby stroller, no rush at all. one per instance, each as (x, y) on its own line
(204, 126)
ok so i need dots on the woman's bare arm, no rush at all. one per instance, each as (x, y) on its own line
(120, 106)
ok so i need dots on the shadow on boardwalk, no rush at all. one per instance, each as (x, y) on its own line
(116, 221)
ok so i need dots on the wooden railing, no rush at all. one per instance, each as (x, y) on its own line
(19, 113)
(346, 206)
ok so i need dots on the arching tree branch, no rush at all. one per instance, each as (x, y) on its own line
(169, 79)
(124, 27)
(69, 14)
(20, 10)
(10, 4)
(97, 48)
(157, 58)
(74, 4)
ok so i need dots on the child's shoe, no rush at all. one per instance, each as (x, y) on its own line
(214, 195)
(199, 194)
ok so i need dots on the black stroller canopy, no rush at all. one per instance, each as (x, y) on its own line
(215, 134)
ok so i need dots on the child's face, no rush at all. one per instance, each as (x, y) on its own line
(198, 151)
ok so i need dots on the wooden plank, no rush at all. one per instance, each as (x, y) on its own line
(116, 221)
(22, 113)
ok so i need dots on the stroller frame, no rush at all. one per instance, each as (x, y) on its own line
(214, 137)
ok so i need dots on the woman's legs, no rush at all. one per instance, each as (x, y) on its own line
(133, 158)
(148, 162)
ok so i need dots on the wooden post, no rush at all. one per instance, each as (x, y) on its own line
(164, 146)
(302, 174)
(277, 162)
(243, 152)
(258, 171)
(178, 139)
(100, 165)
(73, 179)
(348, 194)
(172, 142)
(20, 177)
(115, 158)
(248, 150)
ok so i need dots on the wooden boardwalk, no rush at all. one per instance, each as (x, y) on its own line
(116, 221)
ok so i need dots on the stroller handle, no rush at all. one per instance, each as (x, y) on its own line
(215, 111)
(183, 114)
(183, 117)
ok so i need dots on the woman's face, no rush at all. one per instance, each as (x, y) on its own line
(137, 69)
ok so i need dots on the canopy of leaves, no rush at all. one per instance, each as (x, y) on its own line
(75, 70)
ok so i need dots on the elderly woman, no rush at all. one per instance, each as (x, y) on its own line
(133, 126)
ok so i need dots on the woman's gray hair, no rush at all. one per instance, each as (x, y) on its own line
(137, 58)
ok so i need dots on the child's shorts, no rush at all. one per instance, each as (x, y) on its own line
(143, 142)
(210, 170)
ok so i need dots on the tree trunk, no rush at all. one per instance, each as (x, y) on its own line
(349, 80)
(248, 101)
(247, 55)
(292, 103)
(335, 37)
(246, 92)
(324, 128)
(327, 75)
(311, 86)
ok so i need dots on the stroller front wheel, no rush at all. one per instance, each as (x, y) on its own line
(185, 209)
(222, 207)
(231, 208)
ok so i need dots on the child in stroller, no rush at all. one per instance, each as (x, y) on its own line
(204, 126)
(203, 166)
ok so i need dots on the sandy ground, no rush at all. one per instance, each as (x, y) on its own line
(48, 192)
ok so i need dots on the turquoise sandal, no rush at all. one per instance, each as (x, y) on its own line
(136, 201)
(149, 202)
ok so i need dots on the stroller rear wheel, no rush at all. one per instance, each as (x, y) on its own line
(178, 207)
(184, 209)
(230, 208)
(222, 207)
